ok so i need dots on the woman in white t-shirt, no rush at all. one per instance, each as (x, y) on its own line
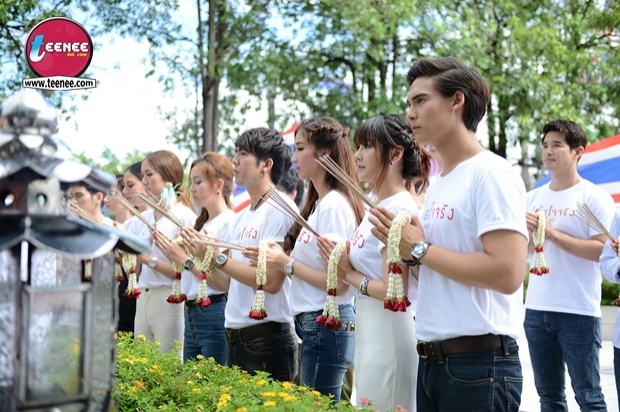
(211, 179)
(386, 361)
(333, 211)
(155, 317)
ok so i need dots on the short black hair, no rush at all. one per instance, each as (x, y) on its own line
(90, 189)
(290, 182)
(575, 135)
(267, 144)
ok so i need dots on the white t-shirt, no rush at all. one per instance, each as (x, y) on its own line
(335, 219)
(252, 226)
(573, 284)
(609, 265)
(218, 227)
(366, 250)
(150, 278)
(480, 195)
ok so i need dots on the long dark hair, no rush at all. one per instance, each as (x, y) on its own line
(326, 133)
(213, 166)
(388, 132)
(168, 165)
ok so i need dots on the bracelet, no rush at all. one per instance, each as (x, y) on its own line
(411, 262)
(364, 286)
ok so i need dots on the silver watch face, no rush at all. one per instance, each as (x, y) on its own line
(152, 263)
(418, 249)
(288, 269)
(188, 264)
(220, 260)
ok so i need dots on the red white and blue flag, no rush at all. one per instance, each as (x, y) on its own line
(600, 164)
(240, 197)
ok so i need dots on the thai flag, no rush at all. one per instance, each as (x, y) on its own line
(600, 164)
(240, 197)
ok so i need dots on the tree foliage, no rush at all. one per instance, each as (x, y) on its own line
(110, 162)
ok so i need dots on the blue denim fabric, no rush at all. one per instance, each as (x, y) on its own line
(325, 354)
(617, 372)
(205, 333)
(558, 339)
(275, 354)
(474, 381)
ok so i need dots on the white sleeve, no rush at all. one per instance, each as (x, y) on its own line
(609, 263)
(500, 202)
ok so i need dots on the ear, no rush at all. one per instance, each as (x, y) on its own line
(99, 197)
(397, 154)
(219, 185)
(267, 164)
(579, 151)
(458, 101)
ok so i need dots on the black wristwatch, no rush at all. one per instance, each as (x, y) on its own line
(188, 263)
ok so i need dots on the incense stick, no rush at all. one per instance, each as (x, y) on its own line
(145, 198)
(225, 245)
(274, 198)
(123, 202)
(78, 212)
(333, 168)
(585, 214)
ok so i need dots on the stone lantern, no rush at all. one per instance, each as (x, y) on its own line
(56, 327)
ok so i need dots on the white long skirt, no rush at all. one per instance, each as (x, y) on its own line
(386, 361)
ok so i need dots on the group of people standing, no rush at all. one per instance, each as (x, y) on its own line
(464, 256)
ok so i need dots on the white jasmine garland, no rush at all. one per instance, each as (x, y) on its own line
(258, 310)
(177, 296)
(88, 269)
(202, 265)
(129, 262)
(395, 298)
(331, 315)
(538, 236)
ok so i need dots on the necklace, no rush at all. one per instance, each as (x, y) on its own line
(260, 201)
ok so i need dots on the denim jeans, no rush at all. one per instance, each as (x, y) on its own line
(473, 381)
(205, 333)
(557, 339)
(275, 354)
(617, 372)
(325, 354)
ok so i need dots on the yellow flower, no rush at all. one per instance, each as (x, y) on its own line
(199, 408)
(199, 375)
(282, 394)
(142, 337)
(289, 398)
(144, 360)
(316, 393)
(268, 394)
(195, 390)
(271, 403)
(242, 409)
(163, 407)
(261, 382)
(302, 388)
(287, 385)
(134, 389)
(190, 383)
(225, 389)
(200, 357)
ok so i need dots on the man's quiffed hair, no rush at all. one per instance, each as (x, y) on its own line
(450, 76)
(575, 135)
(90, 189)
(266, 144)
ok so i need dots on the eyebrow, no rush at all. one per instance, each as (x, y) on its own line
(409, 99)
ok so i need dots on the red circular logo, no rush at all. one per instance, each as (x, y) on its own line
(59, 47)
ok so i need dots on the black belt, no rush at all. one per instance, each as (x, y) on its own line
(462, 344)
(213, 298)
(257, 331)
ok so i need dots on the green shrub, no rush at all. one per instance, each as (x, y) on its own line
(609, 292)
(147, 380)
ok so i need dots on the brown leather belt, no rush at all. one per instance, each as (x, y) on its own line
(212, 298)
(462, 344)
(257, 331)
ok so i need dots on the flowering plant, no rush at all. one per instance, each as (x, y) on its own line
(129, 262)
(202, 265)
(395, 298)
(258, 310)
(540, 266)
(331, 316)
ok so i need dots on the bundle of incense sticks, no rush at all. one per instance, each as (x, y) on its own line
(123, 202)
(333, 168)
(586, 214)
(155, 205)
(222, 244)
(78, 212)
(274, 198)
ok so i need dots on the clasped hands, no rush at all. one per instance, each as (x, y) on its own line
(412, 232)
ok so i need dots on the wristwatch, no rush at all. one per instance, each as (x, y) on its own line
(419, 249)
(152, 263)
(188, 263)
(288, 269)
(220, 260)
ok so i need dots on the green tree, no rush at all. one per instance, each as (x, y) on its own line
(110, 162)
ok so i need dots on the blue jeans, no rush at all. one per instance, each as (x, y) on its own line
(617, 372)
(204, 332)
(325, 354)
(275, 354)
(557, 339)
(473, 381)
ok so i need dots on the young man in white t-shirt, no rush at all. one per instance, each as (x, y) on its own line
(269, 344)
(470, 245)
(563, 312)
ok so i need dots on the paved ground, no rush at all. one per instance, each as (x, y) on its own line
(529, 397)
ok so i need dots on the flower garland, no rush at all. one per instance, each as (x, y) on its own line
(540, 266)
(202, 265)
(129, 262)
(258, 310)
(118, 262)
(331, 315)
(395, 298)
(88, 269)
(176, 296)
